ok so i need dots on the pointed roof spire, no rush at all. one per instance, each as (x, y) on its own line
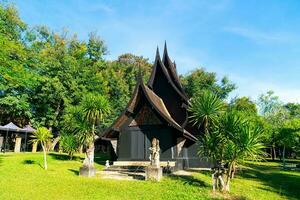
(169, 72)
(165, 47)
(171, 67)
(165, 55)
(167, 61)
(157, 55)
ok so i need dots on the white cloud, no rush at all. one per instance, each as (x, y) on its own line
(251, 87)
(99, 8)
(262, 36)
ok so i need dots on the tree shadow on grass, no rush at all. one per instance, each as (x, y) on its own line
(76, 172)
(28, 162)
(189, 180)
(32, 162)
(281, 183)
(62, 157)
(290, 161)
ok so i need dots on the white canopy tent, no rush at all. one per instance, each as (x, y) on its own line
(11, 127)
(27, 129)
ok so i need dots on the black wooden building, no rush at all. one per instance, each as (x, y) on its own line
(157, 109)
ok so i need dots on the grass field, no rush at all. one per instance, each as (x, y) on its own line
(22, 177)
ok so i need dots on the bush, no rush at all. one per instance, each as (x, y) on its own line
(69, 144)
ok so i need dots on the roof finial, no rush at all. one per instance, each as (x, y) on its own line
(157, 56)
(165, 50)
(174, 63)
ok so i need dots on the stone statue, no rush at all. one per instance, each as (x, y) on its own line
(154, 171)
(107, 164)
(88, 169)
(89, 161)
(154, 155)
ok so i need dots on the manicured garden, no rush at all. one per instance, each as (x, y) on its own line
(23, 177)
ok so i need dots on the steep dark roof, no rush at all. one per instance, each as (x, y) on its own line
(172, 70)
(158, 106)
(159, 64)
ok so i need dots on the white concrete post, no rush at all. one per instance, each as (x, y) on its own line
(18, 144)
(1, 142)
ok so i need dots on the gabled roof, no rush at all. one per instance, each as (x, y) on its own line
(171, 67)
(159, 64)
(158, 106)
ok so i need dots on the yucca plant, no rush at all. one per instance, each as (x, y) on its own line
(69, 144)
(42, 135)
(229, 138)
(94, 109)
(242, 141)
(205, 108)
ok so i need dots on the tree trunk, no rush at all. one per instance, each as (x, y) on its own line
(88, 168)
(283, 156)
(226, 187)
(233, 172)
(34, 147)
(274, 152)
(217, 180)
(271, 153)
(221, 181)
(54, 143)
(89, 156)
(45, 157)
(80, 149)
(228, 177)
(57, 111)
(214, 182)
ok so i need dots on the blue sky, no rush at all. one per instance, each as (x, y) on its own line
(255, 43)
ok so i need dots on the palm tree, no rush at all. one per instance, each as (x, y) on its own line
(75, 124)
(232, 141)
(205, 108)
(94, 109)
(229, 138)
(242, 141)
(42, 135)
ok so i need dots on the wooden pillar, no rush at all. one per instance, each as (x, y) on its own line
(34, 147)
(18, 144)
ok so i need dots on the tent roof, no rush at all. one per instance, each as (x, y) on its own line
(10, 127)
(28, 129)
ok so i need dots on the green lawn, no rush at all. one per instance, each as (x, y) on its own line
(22, 177)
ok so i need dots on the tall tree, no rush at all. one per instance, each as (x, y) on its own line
(274, 113)
(200, 79)
(244, 104)
(294, 109)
